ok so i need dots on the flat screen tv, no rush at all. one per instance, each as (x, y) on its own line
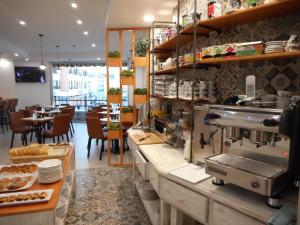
(30, 75)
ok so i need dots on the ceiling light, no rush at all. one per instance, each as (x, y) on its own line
(93, 45)
(42, 66)
(148, 18)
(85, 32)
(27, 59)
(16, 54)
(23, 23)
(4, 62)
(98, 59)
(79, 22)
(74, 5)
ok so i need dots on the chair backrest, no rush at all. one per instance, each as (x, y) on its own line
(94, 128)
(61, 124)
(67, 110)
(92, 113)
(6, 105)
(15, 120)
(27, 112)
(1, 104)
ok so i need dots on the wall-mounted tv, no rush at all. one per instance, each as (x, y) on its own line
(30, 75)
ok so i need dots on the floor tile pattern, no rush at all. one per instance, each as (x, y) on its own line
(104, 197)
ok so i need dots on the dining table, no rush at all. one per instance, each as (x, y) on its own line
(48, 113)
(38, 124)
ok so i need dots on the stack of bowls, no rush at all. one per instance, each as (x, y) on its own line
(283, 99)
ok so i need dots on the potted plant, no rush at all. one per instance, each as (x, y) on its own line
(127, 114)
(114, 130)
(141, 48)
(113, 58)
(127, 77)
(140, 95)
(113, 95)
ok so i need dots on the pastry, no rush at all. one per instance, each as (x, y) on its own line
(27, 197)
(20, 197)
(43, 195)
(3, 200)
(12, 198)
(16, 179)
(16, 185)
(35, 196)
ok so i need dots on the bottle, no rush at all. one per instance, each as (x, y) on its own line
(250, 87)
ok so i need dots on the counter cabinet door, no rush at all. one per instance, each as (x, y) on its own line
(191, 203)
(154, 178)
(141, 164)
(221, 214)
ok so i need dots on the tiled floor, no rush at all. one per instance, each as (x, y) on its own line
(104, 194)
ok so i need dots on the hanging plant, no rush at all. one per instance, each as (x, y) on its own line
(142, 46)
(127, 73)
(114, 91)
(114, 54)
(140, 91)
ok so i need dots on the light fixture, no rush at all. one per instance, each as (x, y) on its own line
(98, 58)
(23, 23)
(16, 54)
(79, 22)
(27, 59)
(58, 66)
(93, 45)
(74, 5)
(4, 62)
(148, 18)
(85, 32)
(42, 66)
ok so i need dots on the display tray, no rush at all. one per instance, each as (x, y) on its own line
(7, 181)
(142, 138)
(21, 168)
(22, 195)
(53, 151)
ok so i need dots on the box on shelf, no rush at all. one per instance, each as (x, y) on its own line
(114, 134)
(217, 50)
(114, 62)
(140, 61)
(127, 80)
(229, 49)
(140, 99)
(127, 117)
(207, 52)
(250, 48)
(114, 98)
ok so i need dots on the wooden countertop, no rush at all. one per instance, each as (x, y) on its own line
(165, 158)
(38, 207)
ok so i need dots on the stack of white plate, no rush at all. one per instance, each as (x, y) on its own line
(275, 46)
(49, 171)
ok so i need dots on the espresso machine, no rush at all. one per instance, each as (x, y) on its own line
(258, 151)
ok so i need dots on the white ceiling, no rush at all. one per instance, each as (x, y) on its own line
(57, 21)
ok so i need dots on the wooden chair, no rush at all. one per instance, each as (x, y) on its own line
(95, 131)
(13, 104)
(18, 126)
(60, 127)
(68, 111)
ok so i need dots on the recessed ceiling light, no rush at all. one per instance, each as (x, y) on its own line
(148, 18)
(74, 5)
(85, 32)
(79, 22)
(27, 59)
(23, 23)
(93, 45)
(98, 58)
(16, 54)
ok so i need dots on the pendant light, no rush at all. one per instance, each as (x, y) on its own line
(58, 65)
(42, 66)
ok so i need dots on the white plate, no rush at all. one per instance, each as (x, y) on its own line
(48, 191)
(46, 164)
(28, 185)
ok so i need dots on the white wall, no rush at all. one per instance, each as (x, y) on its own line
(34, 93)
(7, 79)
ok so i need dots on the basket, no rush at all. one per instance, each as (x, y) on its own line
(127, 80)
(114, 62)
(113, 134)
(114, 98)
(127, 117)
(140, 99)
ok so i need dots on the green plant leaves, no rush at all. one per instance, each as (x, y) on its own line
(127, 73)
(114, 54)
(114, 126)
(140, 91)
(142, 46)
(114, 91)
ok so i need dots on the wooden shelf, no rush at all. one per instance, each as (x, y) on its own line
(238, 17)
(232, 59)
(262, 57)
(212, 100)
